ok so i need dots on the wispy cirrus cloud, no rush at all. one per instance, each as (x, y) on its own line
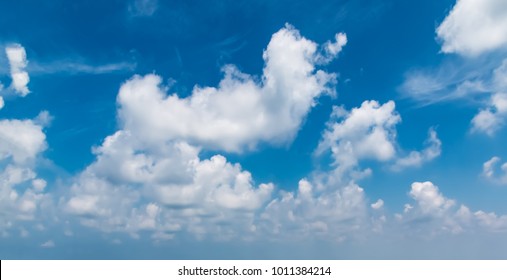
(70, 67)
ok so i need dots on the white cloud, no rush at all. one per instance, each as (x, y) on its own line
(39, 184)
(367, 132)
(1, 101)
(489, 120)
(336, 47)
(489, 171)
(78, 66)
(433, 214)
(336, 214)
(417, 158)
(332, 49)
(241, 111)
(428, 198)
(474, 27)
(48, 244)
(378, 204)
(22, 140)
(17, 202)
(17, 60)
(149, 176)
(108, 194)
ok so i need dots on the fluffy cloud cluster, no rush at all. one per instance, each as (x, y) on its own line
(433, 213)
(474, 27)
(130, 188)
(369, 132)
(16, 55)
(22, 193)
(242, 111)
(333, 214)
(492, 118)
(149, 176)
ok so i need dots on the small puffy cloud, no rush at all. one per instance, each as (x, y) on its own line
(242, 111)
(474, 27)
(367, 132)
(17, 60)
(332, 49)
(490, 172)
(378, 204)
(1, 102)
(22, 140)
(489, 120)
(39, 184)
(48, 244)
(428, 197)
(417, 158)
(43, 119)
(336, 47)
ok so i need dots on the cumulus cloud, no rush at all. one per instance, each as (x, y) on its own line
(310, 213)
(16, 55)
(490, 170)
(474, 27)
(417, 158)
(21, 140)
(369, 132)
(18, 204)
(22, 196)
(149, 174)
(433, 214)
(109, 193)
(492, 118)
(242, 111)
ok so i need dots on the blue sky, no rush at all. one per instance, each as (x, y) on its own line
(236, 129)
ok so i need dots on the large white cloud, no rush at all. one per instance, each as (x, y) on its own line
(149, 175)
(16, 55)
(474, 27)
(243, 110)
(116, 191)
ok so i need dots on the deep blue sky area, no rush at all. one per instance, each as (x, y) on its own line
(120, 200)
